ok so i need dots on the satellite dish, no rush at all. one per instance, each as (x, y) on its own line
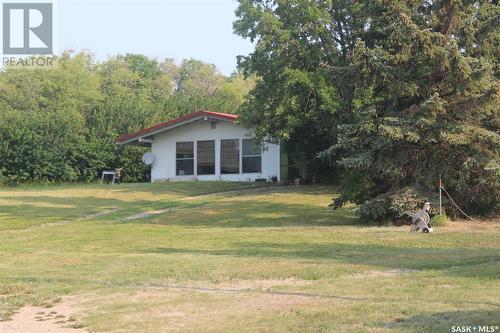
(148, 158)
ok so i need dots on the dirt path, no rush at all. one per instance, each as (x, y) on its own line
(145, 214)
(33, 319)
(63, 222)
(148, 213)
(256, 190)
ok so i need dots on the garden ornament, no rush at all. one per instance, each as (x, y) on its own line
(421, 219)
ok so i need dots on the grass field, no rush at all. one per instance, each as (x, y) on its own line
(271, 259)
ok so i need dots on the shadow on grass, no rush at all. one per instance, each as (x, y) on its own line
(479, 263)
(193, 188)
(32, 211)
(232, 214)
(46, 207)
(443, 321)
(248, 214)
(180, 187)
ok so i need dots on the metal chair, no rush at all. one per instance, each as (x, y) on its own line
(116, 175)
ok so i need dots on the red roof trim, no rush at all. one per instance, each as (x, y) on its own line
(220, 115)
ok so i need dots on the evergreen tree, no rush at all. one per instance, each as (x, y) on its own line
(393, 92)
(432, 70)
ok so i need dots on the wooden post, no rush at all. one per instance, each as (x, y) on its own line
(440, 185)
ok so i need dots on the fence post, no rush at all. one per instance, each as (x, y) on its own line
(440, 185)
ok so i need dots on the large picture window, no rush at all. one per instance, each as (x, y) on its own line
(205, 155)
(184, 158)
(251, 156)
(230, 156)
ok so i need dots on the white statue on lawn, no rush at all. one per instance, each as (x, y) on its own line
(421, 219)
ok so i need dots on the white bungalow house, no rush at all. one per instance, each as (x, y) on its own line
(206, 146)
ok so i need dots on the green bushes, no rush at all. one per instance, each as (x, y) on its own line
(409, 92)
(439, 220)
(393, 205)
(60, 125)
(3, 180)
(433, 108)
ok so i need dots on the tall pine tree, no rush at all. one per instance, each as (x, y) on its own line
(432, 69)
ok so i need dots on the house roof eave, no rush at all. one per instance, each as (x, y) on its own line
(165, 126)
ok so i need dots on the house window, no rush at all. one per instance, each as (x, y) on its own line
(251, 156)
(230, 156)
(184, 158)
(205, 155)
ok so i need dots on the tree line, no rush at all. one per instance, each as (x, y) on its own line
(380, 96)
(388, 94)
(60, 124)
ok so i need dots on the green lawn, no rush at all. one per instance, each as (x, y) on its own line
(270, 259)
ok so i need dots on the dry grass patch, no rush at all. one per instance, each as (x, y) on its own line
(486, 225)
(35, 319)
(270, 260)
(387, 273)
(183, 310)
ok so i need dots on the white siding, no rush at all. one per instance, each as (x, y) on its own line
(164, 145)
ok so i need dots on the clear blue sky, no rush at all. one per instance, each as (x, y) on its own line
(200, 29)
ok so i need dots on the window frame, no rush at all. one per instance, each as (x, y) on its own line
(243, 156)
(177, 159)
(238, 146)
(214, 157)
